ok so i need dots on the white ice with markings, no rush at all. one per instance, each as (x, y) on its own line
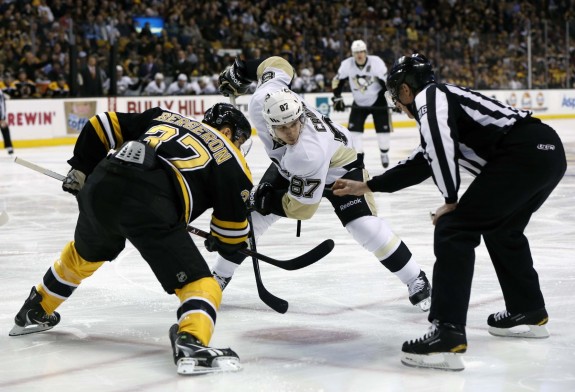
(347, 316)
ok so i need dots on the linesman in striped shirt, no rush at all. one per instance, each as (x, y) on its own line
(4, 124)
(517, 161)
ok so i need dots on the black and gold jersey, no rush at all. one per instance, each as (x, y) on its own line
(208, 170)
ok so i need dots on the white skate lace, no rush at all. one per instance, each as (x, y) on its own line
(501, 315)
(416, 286)
(40, 318)
(430, 332)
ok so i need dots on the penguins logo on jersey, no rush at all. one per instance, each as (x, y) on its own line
(362, 82)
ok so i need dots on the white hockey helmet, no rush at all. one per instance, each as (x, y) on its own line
(358, 46)
(282, 107)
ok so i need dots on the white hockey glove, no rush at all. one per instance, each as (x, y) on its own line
(74, 181)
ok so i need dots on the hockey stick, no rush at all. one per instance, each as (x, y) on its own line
(276, 303)
(309, 258)
(39, 169)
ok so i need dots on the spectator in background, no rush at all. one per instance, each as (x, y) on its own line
(207, 86)
(179, 86)
(92, 79)
(194, 86)
(30, 63)
(54, 70)
(7, 84)
(124, 84)
(316, 40)
(23, 87)
(156, 86)
(182, 65)
(148, 69)
(305, 82)
(58, 88)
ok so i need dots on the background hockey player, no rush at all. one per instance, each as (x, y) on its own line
(366, 75)
(168, 170)
(309, 152)
(517, 161)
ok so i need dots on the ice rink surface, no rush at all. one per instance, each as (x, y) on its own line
(347, 318)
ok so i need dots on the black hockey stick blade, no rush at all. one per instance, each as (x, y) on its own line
(312, 256)
(276, 303)
(309, 258)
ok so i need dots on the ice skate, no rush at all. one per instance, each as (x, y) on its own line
(193, 358)
(384, 159)
(32, 318)
(222, 281)
(420, 292)
(440, 348)
(520, 325)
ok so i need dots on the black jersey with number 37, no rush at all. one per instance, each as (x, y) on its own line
(210, 172)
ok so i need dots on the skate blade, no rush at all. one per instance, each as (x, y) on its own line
(18, 330)
(521, 331)
(441, 361)
(425, 304)
(189, 366)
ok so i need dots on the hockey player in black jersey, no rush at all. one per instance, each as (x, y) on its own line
(517, 161)
(163, 170)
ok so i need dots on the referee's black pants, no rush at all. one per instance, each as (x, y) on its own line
(526, 166)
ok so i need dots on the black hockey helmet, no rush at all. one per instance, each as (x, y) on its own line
(415, 71)
(224, 113)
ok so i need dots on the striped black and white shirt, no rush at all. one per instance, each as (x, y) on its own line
(3, 113)
(458, 128)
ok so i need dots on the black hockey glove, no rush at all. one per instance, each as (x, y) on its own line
(233, 80)
(214, 244)
(74, 181)
(338, 104)
(261, 198)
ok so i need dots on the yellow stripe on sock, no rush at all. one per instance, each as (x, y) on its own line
(70, 267)
(199, 323)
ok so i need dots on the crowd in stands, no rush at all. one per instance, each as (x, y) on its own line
(62, 48)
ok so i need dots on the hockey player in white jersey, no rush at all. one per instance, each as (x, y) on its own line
(366, 75)
(309, 153)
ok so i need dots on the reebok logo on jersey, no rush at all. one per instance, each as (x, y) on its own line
(546, 147)
(349, 204)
